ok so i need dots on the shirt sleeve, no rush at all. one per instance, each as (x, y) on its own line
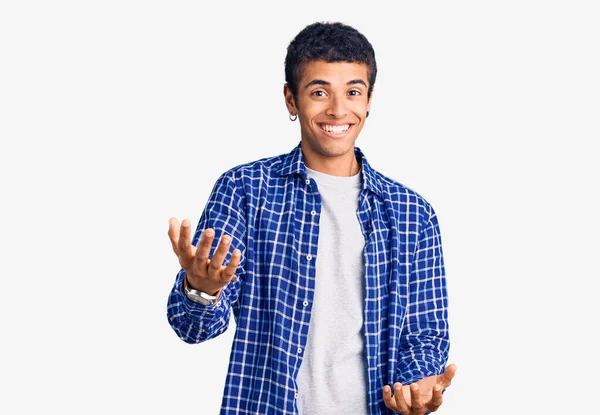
(424, 341)
(225, 213)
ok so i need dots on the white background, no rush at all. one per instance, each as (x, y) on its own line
(116, 115)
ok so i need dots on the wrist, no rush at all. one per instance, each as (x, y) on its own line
(198, 295)
(188, 284)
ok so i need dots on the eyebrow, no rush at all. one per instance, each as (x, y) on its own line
(322, 82)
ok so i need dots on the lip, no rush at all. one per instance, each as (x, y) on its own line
(332, 135)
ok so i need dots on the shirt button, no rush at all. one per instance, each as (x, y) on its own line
(296, 395)
(309, 257)
(313, 212)
(305, 303)
(299, 350)
(307, 181)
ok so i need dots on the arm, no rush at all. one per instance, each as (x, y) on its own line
(225, 215)
(421, 375)
(424, 341)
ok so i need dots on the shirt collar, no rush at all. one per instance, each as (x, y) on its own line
(293, 163)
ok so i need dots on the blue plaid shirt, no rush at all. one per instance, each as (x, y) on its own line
(271, 208)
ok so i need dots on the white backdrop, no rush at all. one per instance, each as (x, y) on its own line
(116, 115)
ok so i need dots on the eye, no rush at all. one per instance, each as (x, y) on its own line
(318, 93)
(354, 92)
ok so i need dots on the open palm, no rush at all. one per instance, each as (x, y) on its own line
(420, 397)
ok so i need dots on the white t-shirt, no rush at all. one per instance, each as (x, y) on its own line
(332, 378)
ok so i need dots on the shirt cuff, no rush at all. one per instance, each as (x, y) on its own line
(191, 307)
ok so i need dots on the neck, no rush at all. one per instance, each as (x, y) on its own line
(342, 165)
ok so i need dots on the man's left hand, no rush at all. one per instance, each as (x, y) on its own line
(420, 397)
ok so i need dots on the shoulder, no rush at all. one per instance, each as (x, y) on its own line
(255, 169)
(403, 199)
(395, 195)
(254, 178)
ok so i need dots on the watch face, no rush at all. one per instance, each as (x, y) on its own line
(197, 299)
(204, 301)
(196, 296)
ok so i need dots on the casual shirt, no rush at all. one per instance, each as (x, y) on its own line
(270, 208)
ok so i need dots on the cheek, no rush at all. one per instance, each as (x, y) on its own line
(360, 105)
(308, 118)
(307, 124)
(311, 107)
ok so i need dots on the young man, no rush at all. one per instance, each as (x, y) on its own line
(336, 279)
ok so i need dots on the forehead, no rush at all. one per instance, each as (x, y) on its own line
(334, 72)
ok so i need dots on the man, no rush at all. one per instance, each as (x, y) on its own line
(336, 279)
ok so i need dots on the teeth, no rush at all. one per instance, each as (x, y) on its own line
(335, 129)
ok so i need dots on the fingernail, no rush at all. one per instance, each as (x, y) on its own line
(208, 233)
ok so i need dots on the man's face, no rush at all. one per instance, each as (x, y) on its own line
(332, 105)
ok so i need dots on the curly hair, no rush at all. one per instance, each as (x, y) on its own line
(331, 42)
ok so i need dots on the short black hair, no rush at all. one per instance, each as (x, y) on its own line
(331, 42)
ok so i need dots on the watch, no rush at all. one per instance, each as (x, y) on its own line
(197, 296)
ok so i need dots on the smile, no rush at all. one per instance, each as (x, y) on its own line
(335, 129)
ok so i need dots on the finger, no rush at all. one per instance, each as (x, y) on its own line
(186, 251)
(436, 399)
(203, 250)
(416, 401)
(216, 262)
(445, 378)
(229, 271)
(401, 403)
(388, 400)
(174, 234)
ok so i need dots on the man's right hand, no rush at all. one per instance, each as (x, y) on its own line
(203, 273)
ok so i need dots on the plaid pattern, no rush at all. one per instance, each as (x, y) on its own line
(270, 208)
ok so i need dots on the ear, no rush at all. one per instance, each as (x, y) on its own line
(289, 100)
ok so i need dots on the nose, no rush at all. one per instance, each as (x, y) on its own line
(337, 109)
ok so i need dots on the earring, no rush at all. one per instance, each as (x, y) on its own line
(293, 117)
(367, 116)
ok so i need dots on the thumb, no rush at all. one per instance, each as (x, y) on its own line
(445, 379)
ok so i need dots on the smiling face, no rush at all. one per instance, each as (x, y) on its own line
(332, 105)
